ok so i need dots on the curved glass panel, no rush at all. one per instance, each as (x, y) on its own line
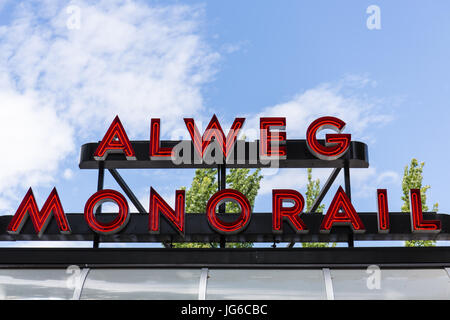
(135, 284)
(265, 284)
(393, 284)
(223, 284)
(36, 284)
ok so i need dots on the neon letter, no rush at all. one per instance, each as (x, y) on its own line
(335, 144)
(292, 214)
(115, 141)
(383, 211)
(417, 222)
(175, 217)
(214, 130)
(156, 151)
(341, 212)
(117, 223)
(266, 150)
(223, 196)
(40, 219)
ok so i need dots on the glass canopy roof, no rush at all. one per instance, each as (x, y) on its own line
(223, 284)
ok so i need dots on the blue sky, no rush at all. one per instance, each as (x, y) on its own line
(62, 84)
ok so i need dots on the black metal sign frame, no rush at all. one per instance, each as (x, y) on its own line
(298, 156)
(259, 228)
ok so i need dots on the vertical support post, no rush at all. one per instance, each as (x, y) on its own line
(351, 242)
(80, 280)
(203, 284)
(328, 283)
(221, 183)
(100, 183)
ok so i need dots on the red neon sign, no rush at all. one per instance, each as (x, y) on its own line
(335, 144)
(40, 218)
(272, 144)
(97, 199)
(214, 130)
(156, 151)
(341, 212)
(291, 214)
(115, 141)
(223, 196)
(418, 224)
(158, 205)
(267, 137)
(383, 211)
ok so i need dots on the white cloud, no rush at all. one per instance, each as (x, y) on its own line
(365, 182)
(144, 199)
(342, 99)
(127, 58)
(290, 179)
(31, 149)
(68, 174)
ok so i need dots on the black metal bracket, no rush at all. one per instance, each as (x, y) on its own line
(127, 191)
(100, 184)
(299, 157)
(325, 190)
(351, 241)
(222, 184)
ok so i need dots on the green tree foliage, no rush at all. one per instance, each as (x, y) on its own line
(244, 182)
(204, 185)
(312, 192)
(412, 179)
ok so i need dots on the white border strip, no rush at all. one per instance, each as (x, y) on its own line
(328, 283)
(80, 283)
(202, 284)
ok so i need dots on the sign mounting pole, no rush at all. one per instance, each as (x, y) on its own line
(100, 183)
(351, 242)
(221, 183)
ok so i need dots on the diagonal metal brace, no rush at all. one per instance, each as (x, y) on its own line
(132, 197)
(127, 190)
(325, 189)
(322, 194)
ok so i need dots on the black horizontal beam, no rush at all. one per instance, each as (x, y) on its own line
(298, 156)
(259, 229)
(226, 258)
